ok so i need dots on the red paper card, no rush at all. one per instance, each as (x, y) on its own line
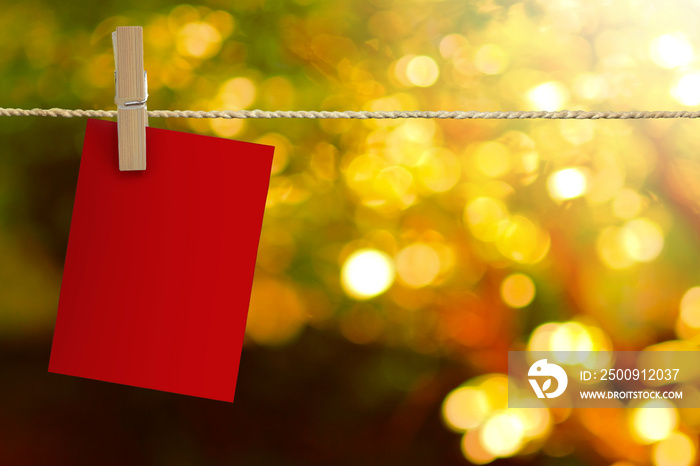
(160, 262)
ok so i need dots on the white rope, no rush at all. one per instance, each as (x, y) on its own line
(443, 115)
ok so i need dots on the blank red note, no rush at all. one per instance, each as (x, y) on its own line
(160, 262)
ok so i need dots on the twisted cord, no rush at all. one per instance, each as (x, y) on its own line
(443, 115)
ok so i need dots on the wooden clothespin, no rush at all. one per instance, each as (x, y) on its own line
(131, 95)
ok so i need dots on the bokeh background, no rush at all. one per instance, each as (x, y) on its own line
(399, 260)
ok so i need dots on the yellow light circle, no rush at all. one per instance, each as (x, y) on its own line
(577, 133)
(541, 336)
(492, 159)
(473, 450)
(495, 387)
(654, 420)
(438, 169)
(276, 314)
(227, 128)
(367, 273)
(486, 217)
(535, 418)
(517, 290)
(522, 241)
(418, 265)
(627, 204)
(610, 249)
(690, 307)
(465, 408)
(452, 44)
(420, 131)
(549, 96)
(491, 59)
(671, 50)
(282, 149)
(573, 342)
(502, 434)
(675, 450)
(236, 93)
(591, 86)
(571, 336)
(422, 71)
(393, 183)
(198, 39)
(222, 21)
(687, 89)
(568, 183)
(642, 239)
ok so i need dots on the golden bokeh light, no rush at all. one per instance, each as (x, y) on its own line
(502, 434)
(573, 342)
(653, 421)
(181, 15)
(361, 172)
(605, 183)
(671, 50)
(571, 336)
(637, 241)
(491, 59)
(540, 337)
(380, 184)
(236, 94)
(690, 307)
(394, 183)
(282, 150)
(473, 449)
(610, 249)
(486, 218)
(495, 387)
(642, 239)
(367, 273)
(492, 159)
(418, 265)
(577, 132)
(398, 71)
(675, 450)
(276, 313)
(549, 96)
(279, 92)
(419, 131)
(465, 408)
(627, 204)
(222, 21)
(451, 44)
(422, 71)
(568, 183)
(522, 241)
(517, 290)
(199, 40)
(535, 418)
(687, 89)
(591, 86)
(178, 75)
(438, 169)
(227, 128)
(493, 430)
